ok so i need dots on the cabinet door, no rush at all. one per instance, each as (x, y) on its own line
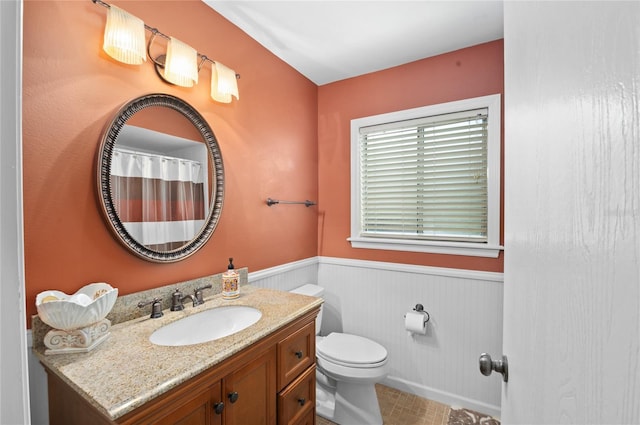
(199, 409)
(195, 411)
(250, 392)
(217, 405)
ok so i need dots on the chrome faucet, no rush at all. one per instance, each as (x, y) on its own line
(188, 296)
(156, 307)
(177, 299)
(198, 294)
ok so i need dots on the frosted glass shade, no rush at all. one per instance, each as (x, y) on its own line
(124, 37)
(181, 66)
(223, 83)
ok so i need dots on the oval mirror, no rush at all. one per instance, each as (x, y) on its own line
(160, 178)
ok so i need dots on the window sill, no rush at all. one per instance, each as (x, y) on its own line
(434, 247)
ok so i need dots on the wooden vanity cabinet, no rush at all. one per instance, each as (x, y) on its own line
(270, 382)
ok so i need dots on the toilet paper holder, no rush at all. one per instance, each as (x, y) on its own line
(420, 309)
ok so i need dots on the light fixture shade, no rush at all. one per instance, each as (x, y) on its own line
(181, 66)
(223, 83)
(124, 37)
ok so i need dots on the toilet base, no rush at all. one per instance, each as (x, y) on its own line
(357, 404)
(349, 404)
(325, 403)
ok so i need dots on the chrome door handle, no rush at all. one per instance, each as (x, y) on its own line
(501, 366)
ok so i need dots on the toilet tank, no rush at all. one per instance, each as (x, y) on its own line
(312, 291)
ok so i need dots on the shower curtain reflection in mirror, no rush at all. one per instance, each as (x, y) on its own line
(160, 200)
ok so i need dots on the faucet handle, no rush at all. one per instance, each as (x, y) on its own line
(176, 301)
(156, 307)
(198, 295)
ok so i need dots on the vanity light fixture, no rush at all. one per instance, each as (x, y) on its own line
(223, 83)
(124, 37)
(124, 40)
(181, 66)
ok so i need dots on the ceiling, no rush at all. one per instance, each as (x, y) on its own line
(332, 40)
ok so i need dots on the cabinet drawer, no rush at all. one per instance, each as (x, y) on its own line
(298, 399)
(308, 419)
(296, 353)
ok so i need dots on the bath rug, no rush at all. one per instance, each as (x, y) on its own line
(470, 417)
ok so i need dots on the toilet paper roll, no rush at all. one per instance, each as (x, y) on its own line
(414, 322)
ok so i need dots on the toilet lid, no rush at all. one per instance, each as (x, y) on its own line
(350, 349)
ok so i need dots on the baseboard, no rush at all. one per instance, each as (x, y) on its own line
(450, 399)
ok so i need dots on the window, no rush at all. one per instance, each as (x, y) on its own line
(428, 179)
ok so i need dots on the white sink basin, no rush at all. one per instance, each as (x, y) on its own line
(206, 326)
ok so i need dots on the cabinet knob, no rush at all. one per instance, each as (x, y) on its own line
(233, 397)
(299, 354)
(302, 401)
(218, 408)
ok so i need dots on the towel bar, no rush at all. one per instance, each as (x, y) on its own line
(306, 203)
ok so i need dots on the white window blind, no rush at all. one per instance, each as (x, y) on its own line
(426, 178)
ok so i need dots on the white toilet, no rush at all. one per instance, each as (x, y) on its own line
(348, 366)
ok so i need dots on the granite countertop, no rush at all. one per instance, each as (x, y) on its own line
(127, 370)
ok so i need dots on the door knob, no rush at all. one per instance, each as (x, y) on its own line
(233, 397)
(501, 366)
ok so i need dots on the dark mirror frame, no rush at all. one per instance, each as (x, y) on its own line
(105, 153)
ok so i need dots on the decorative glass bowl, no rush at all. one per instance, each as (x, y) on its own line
(89, 305)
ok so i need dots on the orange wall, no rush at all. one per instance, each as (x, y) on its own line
(472, 72)
(286, 138)
(71, 89)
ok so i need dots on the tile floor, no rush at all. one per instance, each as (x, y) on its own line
(400, 408)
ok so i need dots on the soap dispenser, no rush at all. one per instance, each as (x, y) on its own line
(230, 287)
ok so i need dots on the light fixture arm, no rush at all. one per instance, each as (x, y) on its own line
(159, 60)
(204, 58)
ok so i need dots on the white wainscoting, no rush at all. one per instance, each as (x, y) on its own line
(370, 299)
(287, 276)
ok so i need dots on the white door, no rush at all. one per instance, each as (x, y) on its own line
(572, 212)
(14, 388)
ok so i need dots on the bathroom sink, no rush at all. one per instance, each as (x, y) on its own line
(206, 326)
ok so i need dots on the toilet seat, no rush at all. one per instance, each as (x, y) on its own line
(351, 351)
